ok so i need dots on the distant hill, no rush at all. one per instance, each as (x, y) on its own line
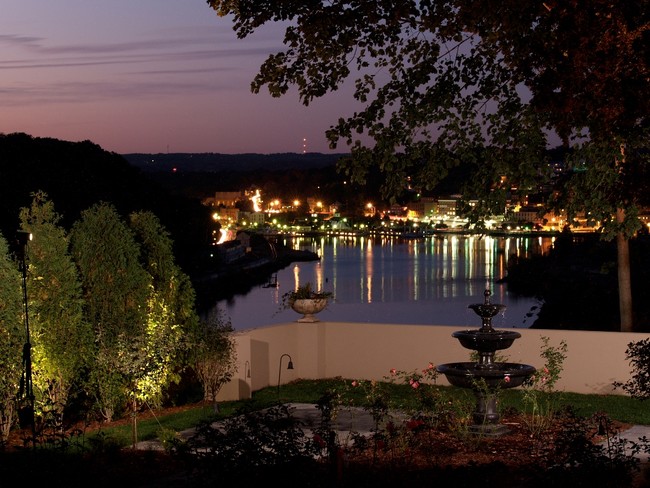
(76, 175)
(282, 175)
(215, 162)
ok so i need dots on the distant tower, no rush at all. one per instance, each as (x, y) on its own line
(304, 145)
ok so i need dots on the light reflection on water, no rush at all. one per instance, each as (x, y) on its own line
(389, 280)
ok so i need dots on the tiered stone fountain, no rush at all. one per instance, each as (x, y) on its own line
(485, 377)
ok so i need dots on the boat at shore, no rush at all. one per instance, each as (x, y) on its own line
(260, 259)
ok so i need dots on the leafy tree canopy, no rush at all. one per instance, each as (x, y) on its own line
(483, 83)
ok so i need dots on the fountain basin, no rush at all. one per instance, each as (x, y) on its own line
(486, 341)
(487, 310)
(466, 374)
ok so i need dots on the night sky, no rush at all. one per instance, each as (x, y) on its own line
(149, 76)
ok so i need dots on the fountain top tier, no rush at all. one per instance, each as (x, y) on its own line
(486, 339)
(487, 310)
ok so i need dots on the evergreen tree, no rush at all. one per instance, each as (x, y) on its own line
(116, 292)
(171, 316)
(62, 342)
(168, 279)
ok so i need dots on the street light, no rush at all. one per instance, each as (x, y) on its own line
(26, 414)
(289, 366)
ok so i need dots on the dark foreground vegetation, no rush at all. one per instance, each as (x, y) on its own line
(419, 438)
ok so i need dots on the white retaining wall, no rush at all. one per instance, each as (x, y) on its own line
(367, 351)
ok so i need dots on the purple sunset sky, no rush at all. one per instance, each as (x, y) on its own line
(148, 76)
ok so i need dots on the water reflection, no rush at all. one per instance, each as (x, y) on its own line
(390, 280)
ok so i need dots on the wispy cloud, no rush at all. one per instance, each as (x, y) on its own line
(166, 66)
(40, 55)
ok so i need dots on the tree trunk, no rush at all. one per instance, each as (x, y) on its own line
(624, 280)
(134, 424)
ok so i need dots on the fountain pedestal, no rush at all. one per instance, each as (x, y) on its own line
(485, 377)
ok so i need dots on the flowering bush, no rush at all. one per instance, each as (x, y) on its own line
(539, 386)
(432, 405)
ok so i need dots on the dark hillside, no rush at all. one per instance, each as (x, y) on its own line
(286, 176)
(215, 162)
(75, 175)
(287, 184)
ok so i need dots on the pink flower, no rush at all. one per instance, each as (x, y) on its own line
(431, 366)
(506, 379)
(355, 383)
(415, 384)
(393, 371)
(546, 370)
(414, 424)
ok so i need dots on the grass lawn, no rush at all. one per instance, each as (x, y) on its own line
(153, 424)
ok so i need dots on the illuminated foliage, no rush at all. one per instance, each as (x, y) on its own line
(62, 342)
(115, 291)
(12, 338)
(171, 316)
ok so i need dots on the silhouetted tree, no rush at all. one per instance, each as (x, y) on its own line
(477, 83)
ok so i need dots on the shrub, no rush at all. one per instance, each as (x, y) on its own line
(638, 354)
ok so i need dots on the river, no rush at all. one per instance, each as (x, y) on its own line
(425, 281)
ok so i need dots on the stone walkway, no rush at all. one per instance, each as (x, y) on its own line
(349, 420)
(359, 421)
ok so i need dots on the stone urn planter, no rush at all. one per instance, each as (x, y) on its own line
(306, 301)
(309, 307)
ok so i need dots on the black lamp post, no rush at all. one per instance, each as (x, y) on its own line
(26, 416)
(289, 366)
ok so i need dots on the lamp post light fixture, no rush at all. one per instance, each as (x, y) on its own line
(26, 388)
(289, 366)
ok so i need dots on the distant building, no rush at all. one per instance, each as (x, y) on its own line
(338, 223)
(253, 218)
(424, 207)
(447, 207)
(227, 215)
(527, 214)
(227, 198)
